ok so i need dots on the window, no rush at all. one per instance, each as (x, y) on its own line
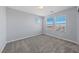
(58, 23)
(50, 21)
(38, 20)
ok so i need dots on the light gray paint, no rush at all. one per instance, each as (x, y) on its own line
(78, 26)
(2, 28)
(42, 12)
(71, 25)
(22, 25)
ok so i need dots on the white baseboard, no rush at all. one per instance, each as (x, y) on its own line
(23, 38)
(3, 46)
(62, 38)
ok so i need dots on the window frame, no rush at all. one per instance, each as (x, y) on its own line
(55, 24)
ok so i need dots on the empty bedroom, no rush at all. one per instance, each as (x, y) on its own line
(39, 29)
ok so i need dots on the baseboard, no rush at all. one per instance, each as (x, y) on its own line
(3, 46)
(62, 38)
(23, 38)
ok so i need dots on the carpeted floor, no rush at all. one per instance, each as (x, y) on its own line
(41, 44)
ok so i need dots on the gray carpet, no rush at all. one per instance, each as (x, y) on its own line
(41, 44)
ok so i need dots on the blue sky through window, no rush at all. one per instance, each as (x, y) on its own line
(50, 21)
(57, 20)
(60, 20)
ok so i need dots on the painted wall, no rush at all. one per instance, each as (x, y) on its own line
(22, 25)
(71, 26)
(78, 26)
(2, 28)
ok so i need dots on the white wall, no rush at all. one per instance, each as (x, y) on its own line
(22, 25)
(78, 26)
(2, 28)
(71, 26)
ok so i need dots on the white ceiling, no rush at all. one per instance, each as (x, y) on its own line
(42, 12)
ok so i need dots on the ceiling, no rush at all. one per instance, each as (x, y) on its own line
(47, 10)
